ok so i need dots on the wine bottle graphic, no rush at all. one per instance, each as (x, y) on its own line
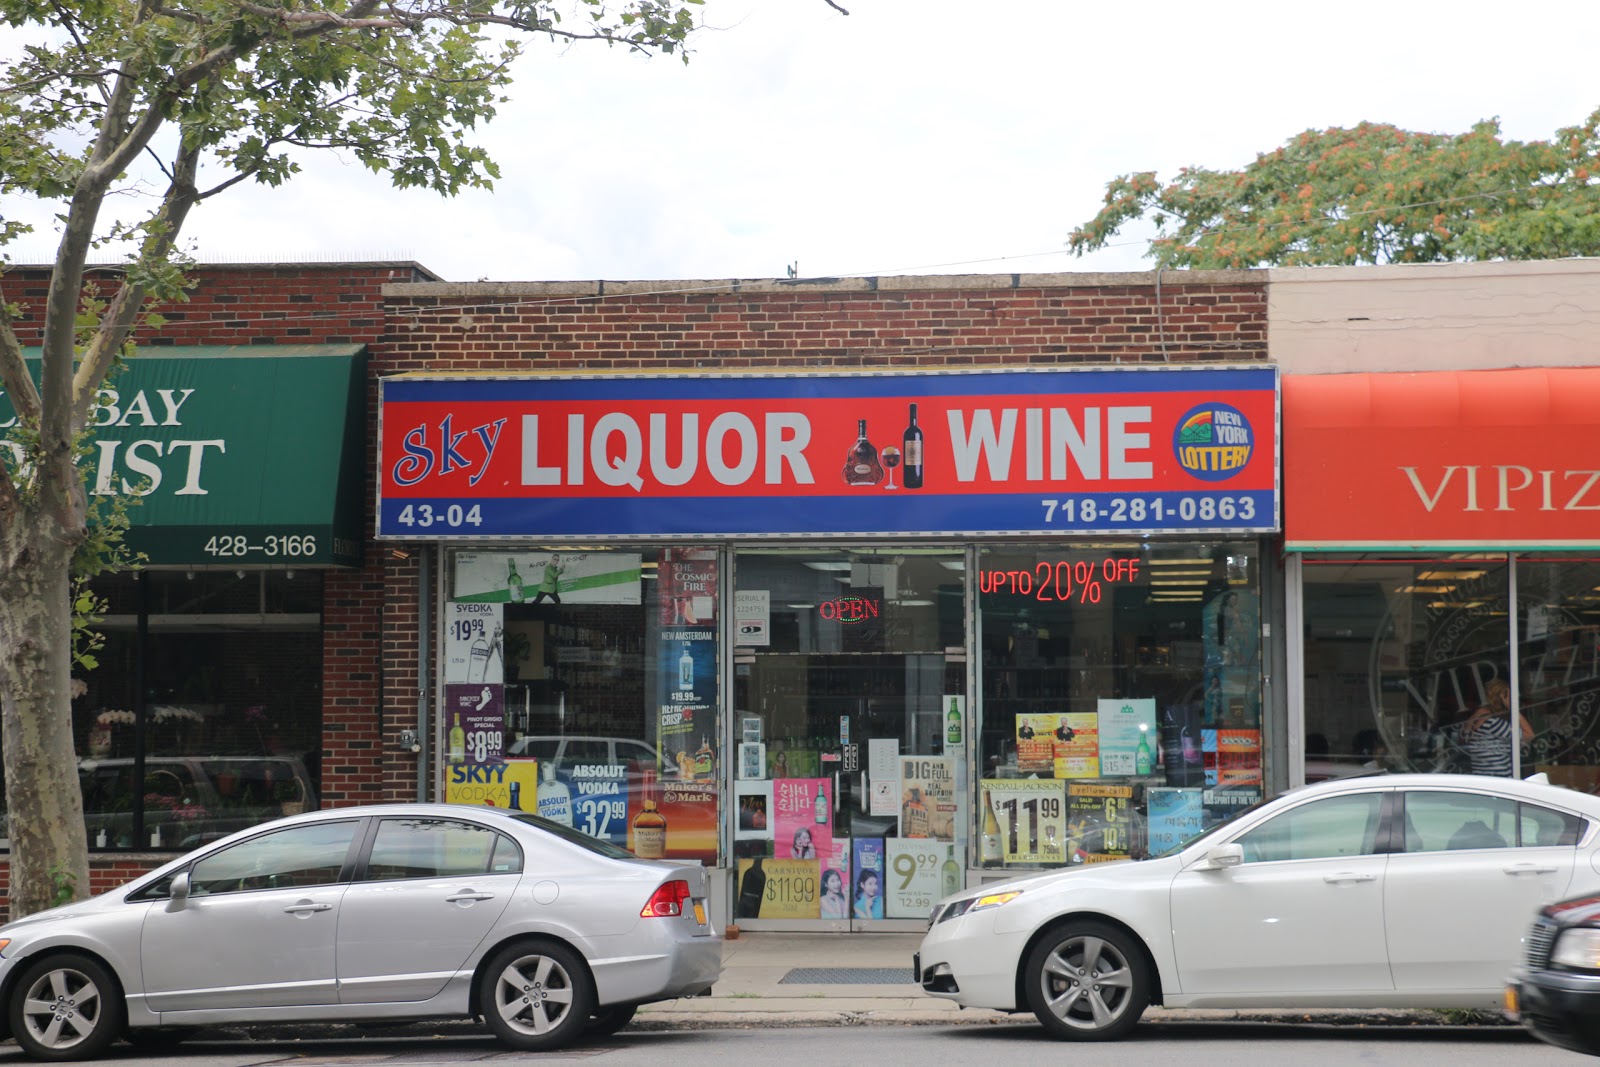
(911, 453)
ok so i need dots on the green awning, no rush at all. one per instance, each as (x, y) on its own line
(254, 453)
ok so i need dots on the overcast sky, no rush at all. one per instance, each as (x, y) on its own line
(911, 137)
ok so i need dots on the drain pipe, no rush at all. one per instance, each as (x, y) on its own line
(424, 631)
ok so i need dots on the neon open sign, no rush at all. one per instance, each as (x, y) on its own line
(848, 609)
(1079, 580)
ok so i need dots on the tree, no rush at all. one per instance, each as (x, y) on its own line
(1372, 194)
(215, 92)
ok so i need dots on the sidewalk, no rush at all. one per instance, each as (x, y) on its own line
(752, 992)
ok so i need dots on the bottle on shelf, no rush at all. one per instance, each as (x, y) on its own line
(458, 740)
(861, 465)
(950, 873)
(911, 453)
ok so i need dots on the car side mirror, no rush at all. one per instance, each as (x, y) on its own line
(178, 892)
(1224, 856)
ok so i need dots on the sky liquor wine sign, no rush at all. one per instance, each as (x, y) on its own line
(1126, 450)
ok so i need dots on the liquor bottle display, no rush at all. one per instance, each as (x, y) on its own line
(911, 453)
(861, 466)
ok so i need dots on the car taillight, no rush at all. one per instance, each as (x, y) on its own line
(666, 902)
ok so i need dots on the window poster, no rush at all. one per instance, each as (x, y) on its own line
(914, 877)
(928, 797)
(755, 811)
(1075, 745)
(474, 646)
(1100, 821)
(802, 818)
(1127, 736)
(690, 809)
(883, 775)
(548, 577)
(1032, 817)
(1232, 757)
(1035, 747)
(834, 894)
(475, 723)
(777, 889)
(512, 783)
(866, 891)
(1175, 815)
(597, 796)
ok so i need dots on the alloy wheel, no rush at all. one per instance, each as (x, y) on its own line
(534, 994)
(1087, 982)
(62, 1009)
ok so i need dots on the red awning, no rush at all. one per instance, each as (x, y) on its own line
(1490, 459)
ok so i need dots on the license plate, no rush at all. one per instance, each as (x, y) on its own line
(1511, 999)
(699, 913)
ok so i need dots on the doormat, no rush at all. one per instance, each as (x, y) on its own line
(847, 976)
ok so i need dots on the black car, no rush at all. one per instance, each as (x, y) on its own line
(1556, 991)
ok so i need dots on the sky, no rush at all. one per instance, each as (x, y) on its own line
(909, 137)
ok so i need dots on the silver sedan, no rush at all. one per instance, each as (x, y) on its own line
(389, 912)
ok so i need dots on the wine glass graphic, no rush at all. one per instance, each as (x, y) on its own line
(891, 459)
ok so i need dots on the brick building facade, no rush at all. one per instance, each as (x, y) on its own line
(410, 322)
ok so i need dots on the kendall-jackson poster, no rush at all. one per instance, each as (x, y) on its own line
(1124, 450)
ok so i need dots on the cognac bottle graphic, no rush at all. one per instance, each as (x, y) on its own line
(861, 466)
(911, 453)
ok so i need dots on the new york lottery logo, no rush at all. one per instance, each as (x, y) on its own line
(1213, 441)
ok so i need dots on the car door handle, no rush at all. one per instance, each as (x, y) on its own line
(1528, 868)
(468, 895)
(304, 909)
(1348, 876)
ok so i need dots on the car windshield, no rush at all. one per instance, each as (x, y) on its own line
(1208, 831)
(576, 837)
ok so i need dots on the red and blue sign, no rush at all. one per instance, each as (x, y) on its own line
(1125, 450)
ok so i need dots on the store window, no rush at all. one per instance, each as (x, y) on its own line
(1120, 698)
(1409, 665)
(582, 684)
(229, 730)
(850, 703)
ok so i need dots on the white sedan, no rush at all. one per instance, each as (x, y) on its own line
(1391, 891)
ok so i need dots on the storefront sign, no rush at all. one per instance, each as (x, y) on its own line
(1127, 450)
(241, 455)
(1443, 459)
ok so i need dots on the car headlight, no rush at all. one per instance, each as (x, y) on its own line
(994, 900)
(1578, 948)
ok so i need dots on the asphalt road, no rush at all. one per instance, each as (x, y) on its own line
(1236, 1044)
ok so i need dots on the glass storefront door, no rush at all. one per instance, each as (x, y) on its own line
(850, 716)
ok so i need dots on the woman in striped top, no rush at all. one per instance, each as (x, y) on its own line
(1487, 734)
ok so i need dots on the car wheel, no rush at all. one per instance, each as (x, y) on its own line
(608, 1020)
(66, 1007)
(1087, 982)
(535, 996)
